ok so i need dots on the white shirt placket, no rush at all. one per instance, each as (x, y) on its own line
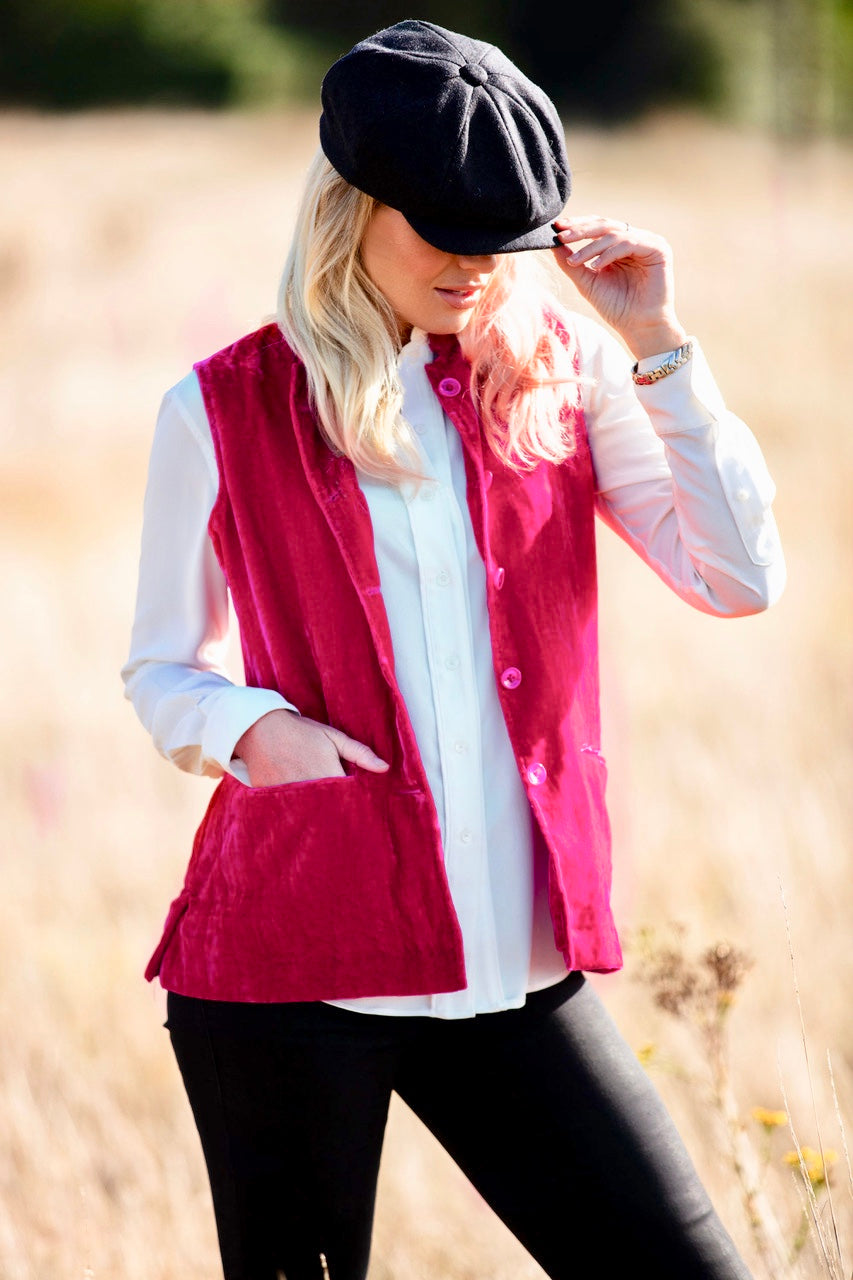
(440, 547)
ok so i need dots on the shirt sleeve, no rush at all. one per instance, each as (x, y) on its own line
(681, 479)
(174, 675)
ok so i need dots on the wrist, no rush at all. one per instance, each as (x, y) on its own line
(662, 364)
(656, 339)
(256, 735)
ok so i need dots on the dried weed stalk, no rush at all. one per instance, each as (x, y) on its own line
(701, 991)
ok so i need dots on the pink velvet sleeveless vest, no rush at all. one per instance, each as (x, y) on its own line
(336, 888)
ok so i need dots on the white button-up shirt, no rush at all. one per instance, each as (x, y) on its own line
(677, 475)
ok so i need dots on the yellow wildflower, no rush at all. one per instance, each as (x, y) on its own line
(816, 1165)
(769, 1119)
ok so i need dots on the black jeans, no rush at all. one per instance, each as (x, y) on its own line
(545, 1108)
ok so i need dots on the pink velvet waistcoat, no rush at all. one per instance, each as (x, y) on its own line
(336, 888)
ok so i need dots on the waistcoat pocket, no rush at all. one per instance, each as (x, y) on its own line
(296, 845)
(293, 788)
(301, 891)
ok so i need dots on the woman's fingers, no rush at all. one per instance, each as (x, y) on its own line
(603, 234)
(601, 253)
(284, 747)
(594, 248)
(570, 231)
(357, 753)
(585, 227)
(626, 273)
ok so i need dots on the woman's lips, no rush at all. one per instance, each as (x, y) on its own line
(460, 299)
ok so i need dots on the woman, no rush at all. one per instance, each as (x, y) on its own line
(405, 869)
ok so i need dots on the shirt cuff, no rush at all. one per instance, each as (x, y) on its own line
(236, 710)
(686, 400)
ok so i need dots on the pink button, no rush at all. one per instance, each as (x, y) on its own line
(499, 578)
(449, 387)
(536, 774)
(511, 678)
(488, 477)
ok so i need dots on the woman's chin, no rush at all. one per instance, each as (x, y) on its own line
(444, 320)
(453, 323)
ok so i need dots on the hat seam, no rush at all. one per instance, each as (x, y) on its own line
(463, 125)
(531, 115)
(423, 57)
(519, 157)
(501, 116)
(439, 31)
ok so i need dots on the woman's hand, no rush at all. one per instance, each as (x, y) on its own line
(285, 747)
(627, 275)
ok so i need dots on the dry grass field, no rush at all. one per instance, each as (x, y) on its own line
(131, 245)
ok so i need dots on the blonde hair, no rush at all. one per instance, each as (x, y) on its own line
(346, 334)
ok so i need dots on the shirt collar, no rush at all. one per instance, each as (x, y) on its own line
(416, 352)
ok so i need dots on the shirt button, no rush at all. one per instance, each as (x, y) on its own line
(741, 494)
(499, 578)
(466, 836)
(460, 747)
(452, 661)
(428, 493)
(511, 678)
(449, 387)
(442, 579)
(488, 477)
(536, 774)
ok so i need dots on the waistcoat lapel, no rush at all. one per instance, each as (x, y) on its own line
(335, 486)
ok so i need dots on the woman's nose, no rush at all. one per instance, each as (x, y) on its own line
(483, 262)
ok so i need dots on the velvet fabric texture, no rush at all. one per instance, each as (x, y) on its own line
(336, 888)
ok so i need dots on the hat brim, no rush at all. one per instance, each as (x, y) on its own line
(475, 241)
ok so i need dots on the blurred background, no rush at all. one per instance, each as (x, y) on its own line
(786, 64)
(151, 155)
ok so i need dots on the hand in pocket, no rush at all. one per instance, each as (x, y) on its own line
(285, 747)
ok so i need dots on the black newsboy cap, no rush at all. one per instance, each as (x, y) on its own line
(447, 130)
